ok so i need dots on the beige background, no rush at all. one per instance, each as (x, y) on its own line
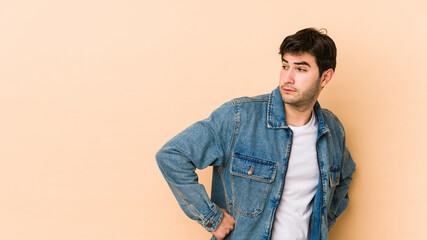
(90, 90)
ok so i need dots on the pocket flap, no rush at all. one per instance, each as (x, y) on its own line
(334, 176)
(253, 168)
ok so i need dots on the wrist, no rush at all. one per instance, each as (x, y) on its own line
(213, 220)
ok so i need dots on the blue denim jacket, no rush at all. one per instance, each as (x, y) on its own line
(252, 133)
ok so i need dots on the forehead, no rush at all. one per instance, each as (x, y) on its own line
(298, 58)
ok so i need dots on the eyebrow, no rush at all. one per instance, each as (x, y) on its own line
(298, 63)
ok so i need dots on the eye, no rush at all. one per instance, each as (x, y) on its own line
(285, 67)
(301, 70)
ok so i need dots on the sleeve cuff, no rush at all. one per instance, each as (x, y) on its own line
(212, 221)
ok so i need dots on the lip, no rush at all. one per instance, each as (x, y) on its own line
(287, 90)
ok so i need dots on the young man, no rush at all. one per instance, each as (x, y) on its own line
(281, 169)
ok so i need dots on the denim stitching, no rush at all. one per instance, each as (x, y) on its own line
(273, 175)
(257, 212)
(269, 121)
(227, 160)
(267, 188)
(197, 213)
(233, 138)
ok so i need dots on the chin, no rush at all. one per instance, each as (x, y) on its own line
(286, 100)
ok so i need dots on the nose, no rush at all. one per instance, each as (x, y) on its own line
(287, 76)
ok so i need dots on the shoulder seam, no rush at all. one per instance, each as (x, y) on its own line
(329, 112)
(249, 100)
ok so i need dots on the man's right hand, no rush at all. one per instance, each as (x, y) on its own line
(225, 227)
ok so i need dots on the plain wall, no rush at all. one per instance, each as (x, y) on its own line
(90, 90)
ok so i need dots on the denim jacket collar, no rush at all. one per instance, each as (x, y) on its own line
(276, 113)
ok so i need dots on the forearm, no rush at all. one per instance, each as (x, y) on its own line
(339, 202)
(179, 172)
(340, 197)
(205, 143)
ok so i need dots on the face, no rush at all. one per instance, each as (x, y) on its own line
(300, 83)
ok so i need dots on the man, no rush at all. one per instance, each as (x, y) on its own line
(281, 169)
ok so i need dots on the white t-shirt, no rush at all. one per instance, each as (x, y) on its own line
(302, 177)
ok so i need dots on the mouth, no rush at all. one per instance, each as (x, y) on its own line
(288, 90)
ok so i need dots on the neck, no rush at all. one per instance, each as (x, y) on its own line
(298, 117)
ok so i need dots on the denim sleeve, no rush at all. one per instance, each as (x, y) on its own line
(205, 143)
(340, 198)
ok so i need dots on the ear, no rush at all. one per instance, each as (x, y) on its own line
(326, 77)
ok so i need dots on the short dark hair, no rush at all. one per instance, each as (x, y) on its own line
(315, 42)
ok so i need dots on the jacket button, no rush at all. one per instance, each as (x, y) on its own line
(251, 171)
(209, 225)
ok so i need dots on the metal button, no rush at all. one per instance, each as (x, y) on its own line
(209, 225)
(251, 171)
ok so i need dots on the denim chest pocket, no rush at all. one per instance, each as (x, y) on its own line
(251, 180)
